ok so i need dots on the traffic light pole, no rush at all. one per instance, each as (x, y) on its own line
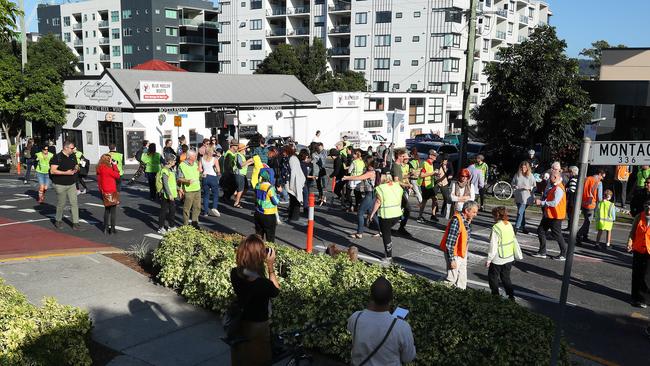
(467, 87)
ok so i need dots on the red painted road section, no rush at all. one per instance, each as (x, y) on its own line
(24, 239)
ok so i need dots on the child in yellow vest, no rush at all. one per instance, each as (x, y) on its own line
(605, 217)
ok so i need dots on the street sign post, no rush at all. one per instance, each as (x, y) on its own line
(620, 153)
(178, 121)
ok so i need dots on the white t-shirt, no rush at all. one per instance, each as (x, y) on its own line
(371, 328)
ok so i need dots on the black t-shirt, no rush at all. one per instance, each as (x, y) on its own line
(254, 295)
(65, 163)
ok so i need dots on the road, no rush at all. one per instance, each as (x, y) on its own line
(600, 322)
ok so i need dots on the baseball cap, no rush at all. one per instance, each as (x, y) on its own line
(234, 142)
(433, 152)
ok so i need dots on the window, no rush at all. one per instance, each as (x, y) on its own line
(374, 104)
(360, 18)
(397, 62)
(96, 67)
(359, 63)
(319, 21)
(414, 62)
(171, 13)
(416, 109)
(396, 86)
(157, 11)
(511, 7)
(435, 110)
(398, 15)
(171, 32)
(396, 103)
(243, 44)
(450, 64)
(383, 17)
(243, 4)
(93, 16)
(256, 24)
(360, 41)
(486, 45)
(172, 49)
(484, 88)
(94, 34)
(87, 50)
(126, 14)
(531, 12)
(398, 39)
(453, 16)
(417, 14)
(94, 50)
(486, 23)
(256, 4)
(382, 40)
(85, 18)
(116, 51)
(452, 40)
(452, 89)
(127, 32)
(115, 33)
(380, 86)
(66, 37)
(88, 67)
(436, 87)
(511, 27)
(382, 63)
(66, 21)
(86, 32)
(255, 44)
(375, 123)
(255, 63)
(416, 39)
(109, 133)
(128, 49)
(243, 64)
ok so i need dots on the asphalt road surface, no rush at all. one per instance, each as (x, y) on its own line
(600, 322)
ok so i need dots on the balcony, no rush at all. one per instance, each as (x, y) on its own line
(276, 12)
(210, 24)
(211, 58)
(299, 32)
(191, 57)
(104, 41)
(338, 29)
(76, 26)
(523, 19)
(78, 42)
(340, 6)
(104, 57)
(277, 32)
(502, 13)
(80, 58)
(339, 51)
(501, 35)
(299, 10)
(190, 39)
(212, 41)
(103, 24)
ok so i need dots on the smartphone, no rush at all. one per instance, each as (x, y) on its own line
(400, 313)
(269, 251)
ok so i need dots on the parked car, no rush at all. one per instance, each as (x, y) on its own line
(423, 137)
(5, 163)
(441, 148)
(452, 138)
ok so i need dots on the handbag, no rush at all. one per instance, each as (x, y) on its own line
(111, 199)
(232, 319)
(392, 324)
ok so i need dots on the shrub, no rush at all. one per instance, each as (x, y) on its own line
(450, 326)
(53, 334)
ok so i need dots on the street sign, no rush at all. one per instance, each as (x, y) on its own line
(178, 121)
(155, 91)
(620, 152)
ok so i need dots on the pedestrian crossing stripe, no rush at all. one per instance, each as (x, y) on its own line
(28, 210)
(21, 195)
(6, 207)
(154, 236)
(122, 228)
(18, 199)
(94, 204)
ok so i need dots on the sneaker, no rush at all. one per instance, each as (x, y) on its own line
(58, 225)
(403, 232)
(83, 191)
(214, 212)
(76, 227)
(434, 218)
(162, 230)
(559, 258)
(524, 231)
(539, 255)
(204, 214)
(25, 181)
(387, 260)
(173, 228)
(640, 304)
(421, 220)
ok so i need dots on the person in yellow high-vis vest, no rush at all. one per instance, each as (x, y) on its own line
(605, 217)
(43, 172)
(388, 205)
(502, 252)
(152, 162)
(189, 177)
(119, 161)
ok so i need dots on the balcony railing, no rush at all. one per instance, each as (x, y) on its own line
(276, 11)
(502, 12)
(210, 24)
(340, 29)
(300, 10)
(339, 51)
(76, 26)
(501, 35)
(191, 57)
(104, 57)
(299, 32)
(211, 58)
(103, 24)
(340, 6)
(277, 32)
(190, 39)
(523, 19)
(104, 40)
(78, 42)
(212, 41)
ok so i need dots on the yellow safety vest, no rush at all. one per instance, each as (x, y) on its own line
(152, 162)
(118, 157)
(43, 165)
(358, 166)
(426, 182)
(605, 216)
(171, 182)
(506, 248)
(243, 171)
(391, 200)
(191, 172)
(405, 172)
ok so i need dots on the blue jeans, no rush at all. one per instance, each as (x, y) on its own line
(306, 189)
(210, 183)
(29, 163)
(521, 216)
(365, 208)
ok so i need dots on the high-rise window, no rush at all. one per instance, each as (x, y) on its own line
(117, 65)
(360, 18)
(380, 86)
(256, 24)
(256, 4)
(127, 32)
(255, 44)
(171, 13)
(128, 49)
(416, 108)
(450, 64)
(126, 14)
(452, 40)
(359, 63)
(115, 33)
(255, 63)
(66, 21)
(171, 31)
(172, 49)
(383, 17)
(382, 40)
(115, 16)
(435, 110)
(116, 51)
(66, 37)
(382, 63)
(359, 41)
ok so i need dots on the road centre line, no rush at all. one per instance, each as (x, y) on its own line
(24, 222)
(18, 199)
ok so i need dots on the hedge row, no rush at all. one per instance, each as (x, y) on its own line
(53, 334)
(450, 326)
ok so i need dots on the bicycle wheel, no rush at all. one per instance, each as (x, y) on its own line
(502, 190)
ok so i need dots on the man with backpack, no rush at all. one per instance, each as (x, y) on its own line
(266, 205)
(168, 192)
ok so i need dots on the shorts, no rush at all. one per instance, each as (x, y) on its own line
(428, 193)
(240, 183)
(43, 178)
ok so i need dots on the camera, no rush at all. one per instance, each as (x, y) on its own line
(269, 251)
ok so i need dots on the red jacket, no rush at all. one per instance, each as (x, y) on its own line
(107, 178)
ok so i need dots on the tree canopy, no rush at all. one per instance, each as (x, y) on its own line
(535, 98)
(8, 14)
(595, 52)
(309, 65)
(51, 52)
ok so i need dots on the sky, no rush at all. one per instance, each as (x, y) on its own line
(579, 22)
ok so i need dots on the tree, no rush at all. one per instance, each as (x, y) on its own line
(283, 60)
(596, 51)
(348, 81)
(8, 14)
(535, 97)
(44, 102)
(51, 52)
(11, 92)
(313, 64)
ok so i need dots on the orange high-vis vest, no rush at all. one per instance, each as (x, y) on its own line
(558, 212)
(460, 250)
(590, 193)
(623, 172)
(641, 239)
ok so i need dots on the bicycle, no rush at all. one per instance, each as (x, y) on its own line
(501, 190)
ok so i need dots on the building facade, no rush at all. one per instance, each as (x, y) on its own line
(124, 33)
(415, 45)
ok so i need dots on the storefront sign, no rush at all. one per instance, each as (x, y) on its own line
(348, 100)
(155, 91)
(172, 110)
(266, 107)
(98, 92)
(98, 108)
(620, 152)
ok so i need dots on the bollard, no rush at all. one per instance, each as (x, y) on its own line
(310, 223)
(17, 161)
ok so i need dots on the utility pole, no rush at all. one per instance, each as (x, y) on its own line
(23, 55)
(467, 87)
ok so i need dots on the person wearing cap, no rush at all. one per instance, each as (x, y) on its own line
(462, 191)
(639, 244)
(266, 207)
(240, 171)
(427, 183)
(445, 172)
(168, 194)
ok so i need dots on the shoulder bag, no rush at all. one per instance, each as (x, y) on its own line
(392, 324)
(111, 199)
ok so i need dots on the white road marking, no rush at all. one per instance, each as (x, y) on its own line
(6, 207)
(154, 236)
(18, 199)
(21, 195)
(92, 259)
(88, 221)
(122, 228)
(94, 204)
(23, 222)
(27, 210)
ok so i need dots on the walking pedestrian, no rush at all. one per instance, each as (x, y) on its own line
(266, 206)
(357, 168)
(639, 244)
(338, 173)
(84, 166)
(445, 172)
(295, 185)
(605, 217)
(118, 158)
(388, 205)
(43, 172)
(308, 172)
(553, 204)
(524, 185)
(483, 167)
(477, 179)
(189, 177)
(381, 152)
(320, 172)
(426, 181)
(63, 170)
(240, 172)
(138, 157)
(211, 172)
(641, 175)
(502, 252)
(152, 161)
(400, 174)
(415, 165)
(455, 242)
(623, 173)
(571, 189)
(378, 337)
(366, 187)
(107, 177)
(168, 191)
(462, 191)
(640, 198)
(29, 156)
(591, 195)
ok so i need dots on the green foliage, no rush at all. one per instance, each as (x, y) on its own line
(450, 326)
(283, 60)
(535, 97)
(53, 334)
(595, 52)
(44, 101)
(8, 14)
(52, 53)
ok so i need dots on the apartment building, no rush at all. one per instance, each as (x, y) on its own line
(124, 33)
(414, 45)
